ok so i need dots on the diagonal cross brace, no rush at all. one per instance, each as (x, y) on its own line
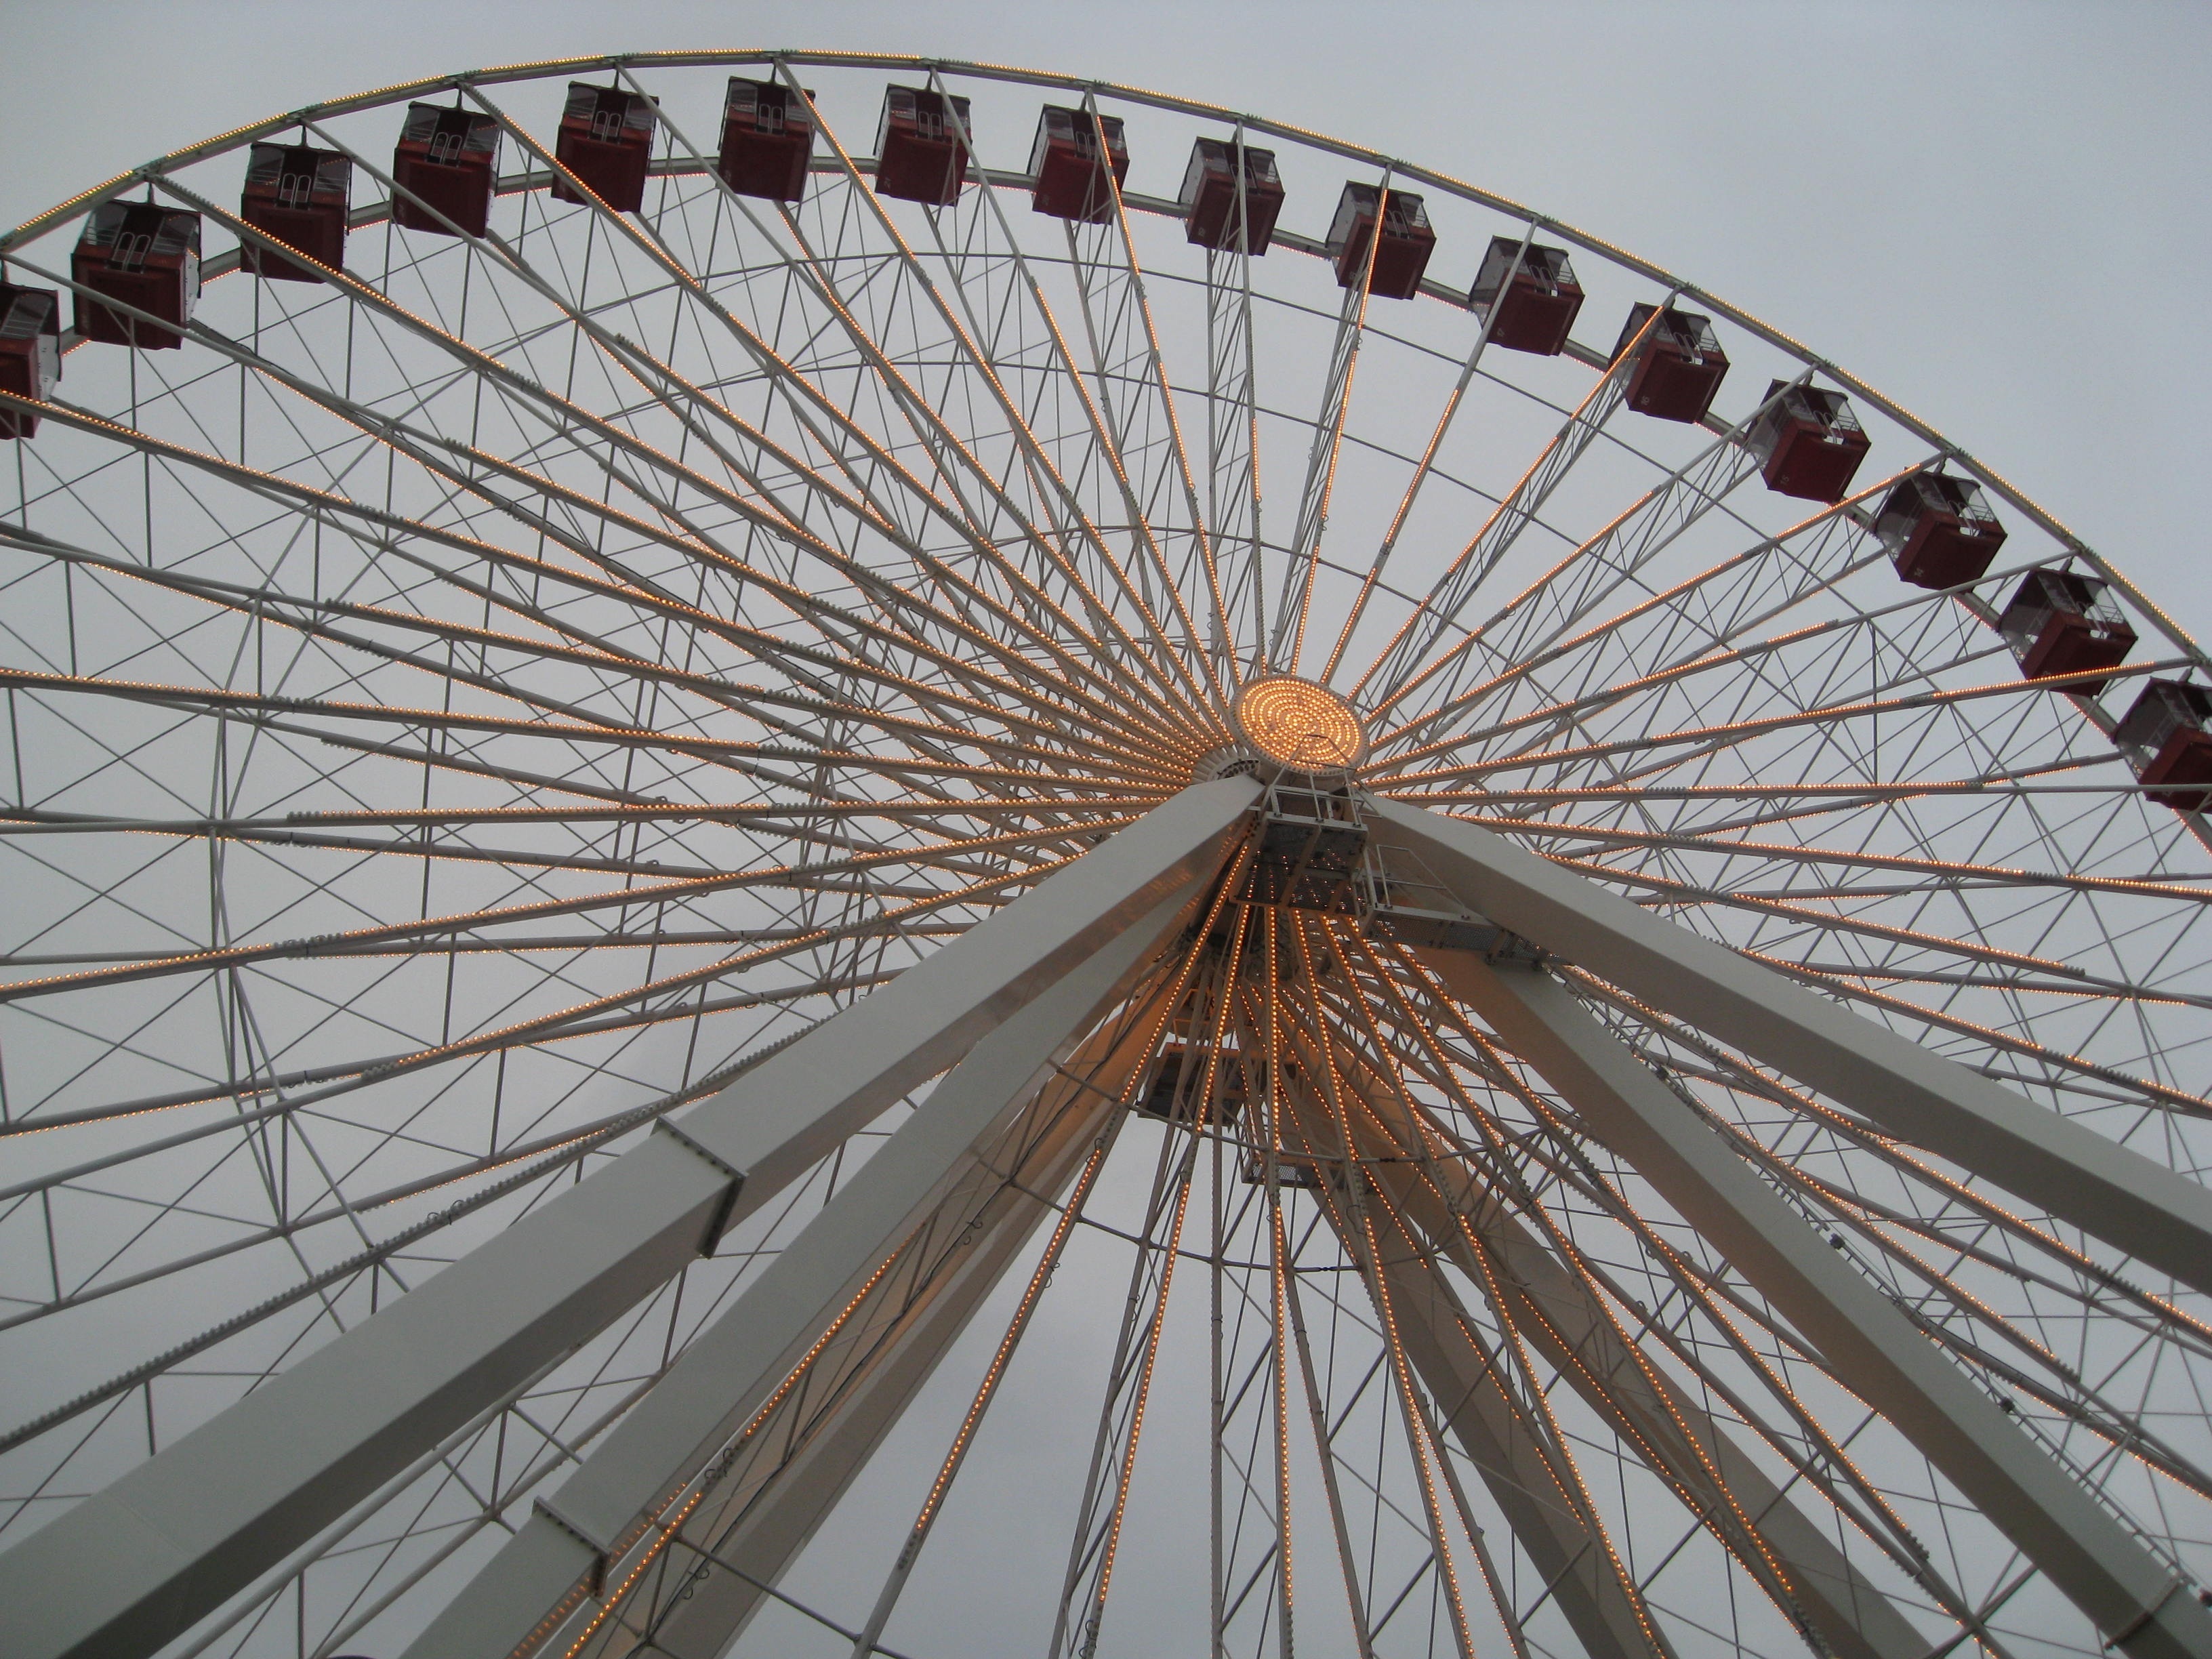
(1875, 1350)
(142, 1561)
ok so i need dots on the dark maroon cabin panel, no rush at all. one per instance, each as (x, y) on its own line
(768, 139)
(2164, 739)
(1810, 442)
(30, 351)
(1939, 530)
(1209, 197)
(1401, 249)
(2059, 622)
(300, 196)
(1678, 367)
(605, 140)
(1537, 307)
(920, 155)
(1067, 174)
(137, 254)
(450, 159)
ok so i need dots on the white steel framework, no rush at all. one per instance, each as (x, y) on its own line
(666, 991)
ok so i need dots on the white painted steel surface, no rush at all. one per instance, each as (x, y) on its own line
(732, 1368)
(1077, 1117)
(134, 1564)
(1454, 1214)
(2110, 1191)
(1875, 1349)
(1853, 1619)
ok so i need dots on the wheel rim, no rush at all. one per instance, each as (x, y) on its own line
(850, 607)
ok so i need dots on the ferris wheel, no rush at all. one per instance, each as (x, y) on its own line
(818, 854)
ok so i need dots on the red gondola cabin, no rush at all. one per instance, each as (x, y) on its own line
(137, 254)
(1067, 173)
(1810, 442)
(1939, 530)
(920, 155)
(449, 159)
(1401, 251)
(30, 351)
(1209, 197)
(767, 140)
(1679, 366)
(2164, 739)
(1535, 310)
(2058, 622)
(300, 196)
(605, 140)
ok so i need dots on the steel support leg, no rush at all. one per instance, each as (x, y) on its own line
(1451, 1209)
(1456, 1212)
(142, 1561)
(561, 1553)
(1516, 1461)
(1874, 1348)
(754, 1541)
(1516, 1458)
(2156, 1215)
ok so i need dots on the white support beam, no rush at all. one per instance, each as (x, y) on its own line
(2156, 1215)
(775, 1520)
(1682, 1443)
(1463, 1379)
(1874, 1350)
(1518, 1457)
(143, 1560)
(782, 1519)
(1452, 1211)
(734, 1366)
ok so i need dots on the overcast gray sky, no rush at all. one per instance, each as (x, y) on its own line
(1997, 213)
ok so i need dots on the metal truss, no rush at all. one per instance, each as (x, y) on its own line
(654, 1003)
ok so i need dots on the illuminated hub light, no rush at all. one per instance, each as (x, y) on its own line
(1297, 724)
